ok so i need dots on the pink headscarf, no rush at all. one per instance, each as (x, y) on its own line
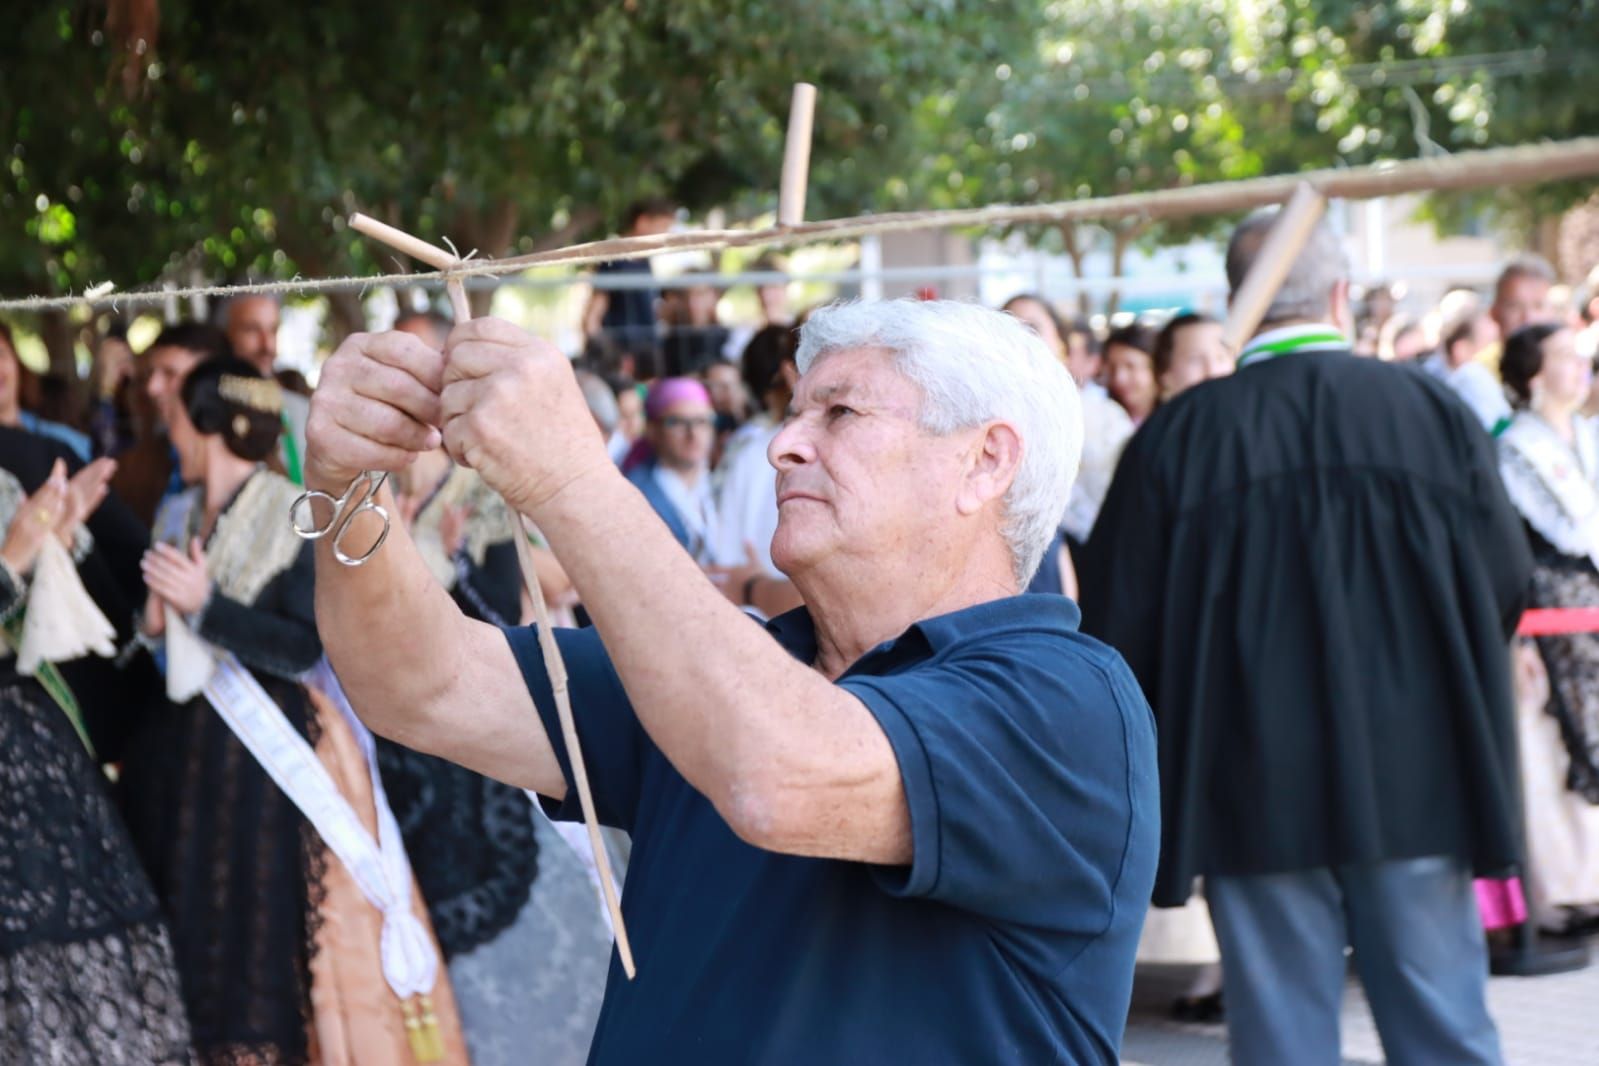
(667, 393)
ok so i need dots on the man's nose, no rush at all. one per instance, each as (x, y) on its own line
(791, 447)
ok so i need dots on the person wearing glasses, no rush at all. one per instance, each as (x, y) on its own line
(676, 478)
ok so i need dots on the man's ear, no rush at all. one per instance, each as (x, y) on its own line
(995, 458)
(1340, 309)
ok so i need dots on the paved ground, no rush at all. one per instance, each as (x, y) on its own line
(1543, 1021)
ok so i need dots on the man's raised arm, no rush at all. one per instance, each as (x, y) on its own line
(415, 668)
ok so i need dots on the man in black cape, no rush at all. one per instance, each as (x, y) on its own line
(1313, 569)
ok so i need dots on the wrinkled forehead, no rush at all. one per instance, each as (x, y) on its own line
(864, 375)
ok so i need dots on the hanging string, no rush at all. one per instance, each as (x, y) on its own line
(1494, 167)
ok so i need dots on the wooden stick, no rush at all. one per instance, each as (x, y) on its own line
(1495, 167)
(401, 241)
(630, 247)
(797, 156)
(1289, 234)
(554, 665)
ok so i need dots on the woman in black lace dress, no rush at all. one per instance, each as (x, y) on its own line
(223, 845)
(280, 952)
(86, 968)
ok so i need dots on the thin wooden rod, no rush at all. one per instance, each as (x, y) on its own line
(797, 156)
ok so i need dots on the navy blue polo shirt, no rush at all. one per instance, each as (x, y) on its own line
(1028, 756)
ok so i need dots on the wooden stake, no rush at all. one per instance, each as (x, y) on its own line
(1288, 236)
(554, 665)
(797, 156)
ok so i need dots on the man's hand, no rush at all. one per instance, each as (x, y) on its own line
(513, 412)
(376, 408)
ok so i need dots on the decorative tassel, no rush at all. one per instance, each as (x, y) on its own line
(422, 1029)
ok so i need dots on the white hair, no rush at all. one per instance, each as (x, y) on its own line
(974, 365)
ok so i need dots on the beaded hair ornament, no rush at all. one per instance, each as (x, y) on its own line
(258, 394)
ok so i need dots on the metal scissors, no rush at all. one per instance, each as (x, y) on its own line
(364, 490)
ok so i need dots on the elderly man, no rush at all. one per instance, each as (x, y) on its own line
(1313, 569)
(912, 822)
(251, 323)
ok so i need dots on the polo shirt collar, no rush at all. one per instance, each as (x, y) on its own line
(796, 632)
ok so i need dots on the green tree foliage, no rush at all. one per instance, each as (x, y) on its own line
(251, 128)
(1135, 95)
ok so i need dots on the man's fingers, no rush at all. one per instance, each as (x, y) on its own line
(404, 352)
(363, 453)
(397, 388)
(474, 356)
(383, 425)
(489, 329)
(458, 398)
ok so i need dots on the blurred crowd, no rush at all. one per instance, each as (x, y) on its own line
(197, 442)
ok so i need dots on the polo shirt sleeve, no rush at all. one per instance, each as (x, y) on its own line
(608, 731)
(1021, 770)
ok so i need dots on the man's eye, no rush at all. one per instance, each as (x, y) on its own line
(838, 410)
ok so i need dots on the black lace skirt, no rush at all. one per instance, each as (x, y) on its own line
(86, 968)
(1573, 666)
(227, 853)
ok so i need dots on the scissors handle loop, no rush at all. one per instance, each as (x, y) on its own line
(363, 490)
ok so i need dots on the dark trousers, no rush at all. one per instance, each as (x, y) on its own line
(1419, 950)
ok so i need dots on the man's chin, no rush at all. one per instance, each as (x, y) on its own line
(794, 554)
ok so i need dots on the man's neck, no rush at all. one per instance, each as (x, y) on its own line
(855, 612)
(11, 416)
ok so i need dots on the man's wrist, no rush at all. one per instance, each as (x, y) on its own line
(574, 498)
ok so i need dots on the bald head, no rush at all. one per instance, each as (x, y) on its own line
(251, 323)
